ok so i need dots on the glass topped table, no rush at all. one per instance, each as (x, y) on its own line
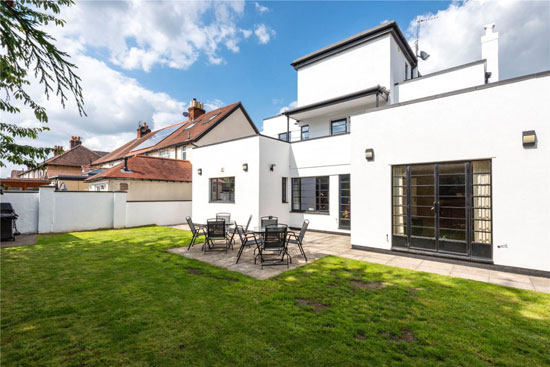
(260, 229)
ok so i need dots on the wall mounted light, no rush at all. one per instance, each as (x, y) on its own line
(529, 138)
(245, 167)
(199, 171)
(369, 154)
(272, 167)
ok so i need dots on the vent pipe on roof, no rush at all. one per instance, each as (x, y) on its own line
(125, 169)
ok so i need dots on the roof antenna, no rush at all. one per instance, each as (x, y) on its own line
(423, 55)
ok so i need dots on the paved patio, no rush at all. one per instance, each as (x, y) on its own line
(317, 245)
(20, 240)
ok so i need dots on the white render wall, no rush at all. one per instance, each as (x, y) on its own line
(484, 124)
(25, 205)
(429, 85)
(49, 211)
(276, 125)
(358, 68)
(229, 157)
(141, 213)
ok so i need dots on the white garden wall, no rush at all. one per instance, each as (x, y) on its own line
(49, 211)
(25, 204)
(140, 213)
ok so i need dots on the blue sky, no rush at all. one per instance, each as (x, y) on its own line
(145, 60)
(260, 75)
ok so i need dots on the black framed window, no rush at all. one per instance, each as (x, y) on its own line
(222, 189)
(284, 190)
(338, 127)
(344, 215)
(304, 132)
(406, 71)
(283, 136)
(310, 194)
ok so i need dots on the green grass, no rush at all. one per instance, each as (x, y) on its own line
(116, 298)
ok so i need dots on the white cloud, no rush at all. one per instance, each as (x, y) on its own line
(142, 34)
(454, 37)
(261, 8)
(290, 106)
(213, 104)
(263, 33)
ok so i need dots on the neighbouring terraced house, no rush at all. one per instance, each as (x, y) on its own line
(451, 164)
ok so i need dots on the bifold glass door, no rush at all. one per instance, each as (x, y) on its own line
(443, 207)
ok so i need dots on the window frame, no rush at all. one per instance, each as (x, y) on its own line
(284, 190)
(406, 71)
(302, 132)
(298, 195)
(218, 199)
(332, 133)
(285, 134)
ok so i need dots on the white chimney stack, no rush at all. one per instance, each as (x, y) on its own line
(489, 51)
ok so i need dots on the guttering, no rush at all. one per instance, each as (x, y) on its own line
(357, 39)
(348, 97)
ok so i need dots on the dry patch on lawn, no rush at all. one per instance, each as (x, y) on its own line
(311, 303)
(370, 286)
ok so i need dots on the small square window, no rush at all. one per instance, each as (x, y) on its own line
(338, 127)
(283, 136)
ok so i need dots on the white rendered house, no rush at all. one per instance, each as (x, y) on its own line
(451, 164)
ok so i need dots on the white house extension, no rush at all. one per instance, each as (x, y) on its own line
(451, 164)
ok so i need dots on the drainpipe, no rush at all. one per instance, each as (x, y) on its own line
(377, 99)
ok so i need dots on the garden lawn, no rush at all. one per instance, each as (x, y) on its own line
(117, 298)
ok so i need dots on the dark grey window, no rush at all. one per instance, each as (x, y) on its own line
(338, 127)
(310, 194)
(222, 189)
(284, 190)
(305, 132)
(283, 136)
(406, 71)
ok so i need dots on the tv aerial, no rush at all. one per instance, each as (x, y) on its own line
(422, 54)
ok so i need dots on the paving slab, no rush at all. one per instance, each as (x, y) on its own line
(318, 245)
(20, 240)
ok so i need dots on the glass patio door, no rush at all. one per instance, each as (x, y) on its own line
(443, 207)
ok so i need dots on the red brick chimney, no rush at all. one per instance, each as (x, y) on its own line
(58, 149)
(142, 129)
(74, 142)
(196, 109)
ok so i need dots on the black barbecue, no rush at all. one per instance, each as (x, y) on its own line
(7, 218)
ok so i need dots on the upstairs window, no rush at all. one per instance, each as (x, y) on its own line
(284, 190)
(184, 153)
(406, 71)
(283, 136)
(338, 127)
(304, 132)
(164, 153)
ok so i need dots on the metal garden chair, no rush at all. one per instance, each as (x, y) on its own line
(273, 249)
(215, 231)
(197, 232)
(298, 239)
(269, 220)
(247, 239)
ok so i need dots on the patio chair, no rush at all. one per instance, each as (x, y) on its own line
(269, 220)
(248, 224)
(196, 231)
(215, 231)
(224, 216)
(273, 248)
(298, 239)
(247, 239)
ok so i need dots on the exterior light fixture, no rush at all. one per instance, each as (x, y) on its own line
(199, 171)
(369, 154)
(529, 138)
(272, 167)
(245, 167)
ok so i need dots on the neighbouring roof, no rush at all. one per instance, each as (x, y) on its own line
(142, 167)
(75, 157)
(186, 132)
(384, 28)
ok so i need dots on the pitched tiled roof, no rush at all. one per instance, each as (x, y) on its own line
(142, 167)
(76, 157)
(187, 132)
